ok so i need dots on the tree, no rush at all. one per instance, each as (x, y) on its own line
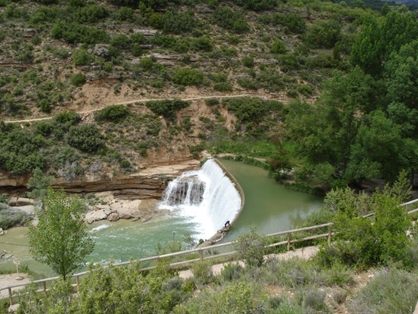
(38, 183)
(60, 239)
(374, 241)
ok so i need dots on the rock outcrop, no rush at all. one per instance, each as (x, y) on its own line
(146, 184)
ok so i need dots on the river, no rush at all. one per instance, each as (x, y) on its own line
(269, 207)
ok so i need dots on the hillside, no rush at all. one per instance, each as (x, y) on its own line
(83, 56)
(73, 60)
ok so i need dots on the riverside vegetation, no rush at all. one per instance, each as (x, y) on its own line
(328, 283)
(334, 98)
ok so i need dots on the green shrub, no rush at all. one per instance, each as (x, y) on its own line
(257, 5)
(68, 118)
(212, 101)
(115, 113)
(167, 108)
(74, 33)
(278, 47)
(11, 217)
(390, 291)
(223, 87)
(247, 109)
(82, 57)
(324, 34)
(202, 272)
(250, 248)
(187, 77)
(78, 79)
(85, 137)
(248, 61)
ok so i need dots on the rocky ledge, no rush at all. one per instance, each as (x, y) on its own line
(148, 183)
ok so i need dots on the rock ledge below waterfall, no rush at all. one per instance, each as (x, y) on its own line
(113, 209)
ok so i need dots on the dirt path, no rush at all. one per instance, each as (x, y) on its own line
(135, 101)
(10, 280)
(303, 253)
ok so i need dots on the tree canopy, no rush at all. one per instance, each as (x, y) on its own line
(60, 239)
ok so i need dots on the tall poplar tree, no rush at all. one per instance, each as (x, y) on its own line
(60, 239)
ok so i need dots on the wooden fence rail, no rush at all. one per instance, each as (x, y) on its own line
(210, 254)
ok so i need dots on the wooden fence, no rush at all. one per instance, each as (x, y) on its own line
(206, 253)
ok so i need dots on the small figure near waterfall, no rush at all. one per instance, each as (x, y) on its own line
(227, 224)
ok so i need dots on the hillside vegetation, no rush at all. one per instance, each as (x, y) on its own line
(80, 55)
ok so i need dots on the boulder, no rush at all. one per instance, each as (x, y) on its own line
(95, 216)
(113, 217)
(125, 213)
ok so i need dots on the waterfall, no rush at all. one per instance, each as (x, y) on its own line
(207, 197)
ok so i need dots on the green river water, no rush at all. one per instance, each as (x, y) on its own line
(269, 207)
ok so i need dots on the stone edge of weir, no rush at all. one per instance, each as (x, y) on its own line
(222, 232)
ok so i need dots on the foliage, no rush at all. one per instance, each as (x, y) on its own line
(364, 242)
(229, 19)
(257, 5)
(74, 33)
(187, 77)
(167, 108)
(278, 47)
(78, 79)
(38, 183)
(11, 217)
(237, 297)
(250, 247)
(60, 239)
(390, 290)
(85, 137)
(82, 57)
(174, 22)
(324, 34)
(116, 113)
(246, 109)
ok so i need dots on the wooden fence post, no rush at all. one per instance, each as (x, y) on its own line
(288, 242)
(44, 284)
(10, 296)
(329, 235)
(201, 254)
(77, 278)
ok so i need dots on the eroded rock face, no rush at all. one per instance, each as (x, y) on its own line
(146, 184)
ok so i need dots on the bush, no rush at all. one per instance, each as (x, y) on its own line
(167, 108)
(390, 291)
(212, 101)
(188, 77)
(11, 217)
(78, 79)
(82, 57)
(250, 247)
(74, 33)
(202, 272)
(68, 118)
(278, 47)
(324, 34)
(257, 5)
(248, 61)
(85, 137)
(223, 87)
(116, 113)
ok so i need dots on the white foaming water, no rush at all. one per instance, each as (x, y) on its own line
(101, 227)
(207, 197)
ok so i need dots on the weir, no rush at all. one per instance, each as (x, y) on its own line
(207, 197)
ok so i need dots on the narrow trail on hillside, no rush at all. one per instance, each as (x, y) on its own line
(135, 101)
